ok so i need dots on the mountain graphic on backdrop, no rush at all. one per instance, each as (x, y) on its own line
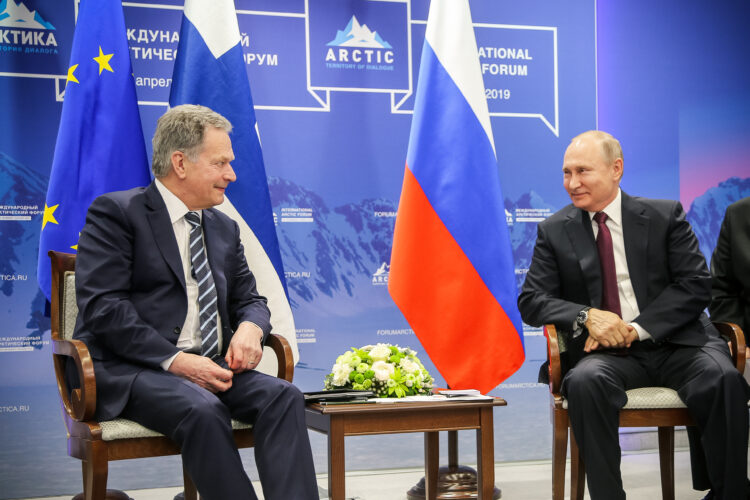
(19, 244)
(356, 35)
(345, 247)
(17, 15)
(339, 251)
(707, 211)
(382, 270)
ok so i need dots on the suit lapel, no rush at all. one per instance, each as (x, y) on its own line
(581, 235)
(635, 233)
(161, 228)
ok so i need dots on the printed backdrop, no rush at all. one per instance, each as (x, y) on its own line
(670, 82)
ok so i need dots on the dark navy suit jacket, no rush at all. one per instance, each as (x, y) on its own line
(130, 288)
(730, 267)
(668, 272)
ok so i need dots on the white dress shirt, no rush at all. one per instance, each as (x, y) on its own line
(190, 335)
(628, 303)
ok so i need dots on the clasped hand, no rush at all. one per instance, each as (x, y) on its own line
(607, 330)
(244, 353)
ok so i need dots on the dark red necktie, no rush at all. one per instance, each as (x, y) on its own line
(610, 295)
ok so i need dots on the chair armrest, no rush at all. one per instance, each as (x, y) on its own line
(736, 339)
(80, 403)
(553, 356)
(283, 352)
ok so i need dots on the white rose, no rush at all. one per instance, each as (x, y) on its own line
(341, 373)
(380, 352)
(383, 370)
(408, 365)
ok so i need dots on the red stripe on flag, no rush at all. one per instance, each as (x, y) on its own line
(471, 339)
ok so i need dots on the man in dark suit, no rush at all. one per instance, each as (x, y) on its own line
(628, 289)
(170, 313)
(730, 268)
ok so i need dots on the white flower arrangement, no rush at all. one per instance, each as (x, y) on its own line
(387, 370)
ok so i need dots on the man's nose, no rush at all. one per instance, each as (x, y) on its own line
(229, 174)
(573, 181)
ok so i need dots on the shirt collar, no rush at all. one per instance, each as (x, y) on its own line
(175, 207)
(613, 210)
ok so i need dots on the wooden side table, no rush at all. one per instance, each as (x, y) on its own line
(339, 421)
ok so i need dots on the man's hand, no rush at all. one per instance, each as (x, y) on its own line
(608, 330)
(203, 371)
(245, 349)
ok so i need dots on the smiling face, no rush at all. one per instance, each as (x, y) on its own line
(203, 180)
(589, 177)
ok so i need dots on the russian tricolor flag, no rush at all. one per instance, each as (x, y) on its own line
(210, 70)
(452, 271)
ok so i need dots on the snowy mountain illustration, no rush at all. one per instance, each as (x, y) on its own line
(356, 35)
(337, 254)
(17, 15)
(350, 245)
(382, 270)
(707, 211)
(19, 246)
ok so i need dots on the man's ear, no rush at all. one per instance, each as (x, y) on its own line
(178, 164)
(618, 168)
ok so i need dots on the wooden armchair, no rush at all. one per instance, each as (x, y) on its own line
(646, 407)
(97, 443)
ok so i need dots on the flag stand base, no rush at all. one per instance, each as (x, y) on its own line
(110, 495)
(454, 481)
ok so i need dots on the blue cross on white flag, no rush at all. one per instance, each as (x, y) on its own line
(210, 71)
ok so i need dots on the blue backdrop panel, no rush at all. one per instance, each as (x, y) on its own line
(669, 81)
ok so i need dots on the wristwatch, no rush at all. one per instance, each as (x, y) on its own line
(583, 317)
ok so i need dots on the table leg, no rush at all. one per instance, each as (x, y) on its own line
(485, 456)
(336, 460)
(431, 464)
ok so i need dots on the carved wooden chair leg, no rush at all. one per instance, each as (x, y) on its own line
(577, 470)
(666, 462)
(559, 453)
(95, 470)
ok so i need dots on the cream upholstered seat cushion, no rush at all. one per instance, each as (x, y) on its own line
(119, 428)
(649, 398)
(642, 398)
(653, 397)
(70, 308)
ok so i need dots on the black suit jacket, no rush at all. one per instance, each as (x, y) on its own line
(667, 270)
(130, 288)
(730, 268)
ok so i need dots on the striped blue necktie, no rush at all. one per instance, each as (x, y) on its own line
(206, 288)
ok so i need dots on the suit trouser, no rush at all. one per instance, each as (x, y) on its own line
(199, 422)
(715, 393)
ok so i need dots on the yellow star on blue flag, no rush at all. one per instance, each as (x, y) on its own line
(103, 61)
(48, 215)
(100, 146)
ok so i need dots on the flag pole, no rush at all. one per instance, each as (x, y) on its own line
(452, 270)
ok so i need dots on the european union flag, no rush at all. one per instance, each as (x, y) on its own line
(100, 144)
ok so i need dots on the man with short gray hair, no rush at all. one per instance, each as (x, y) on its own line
(623, 280)
(171, 315)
